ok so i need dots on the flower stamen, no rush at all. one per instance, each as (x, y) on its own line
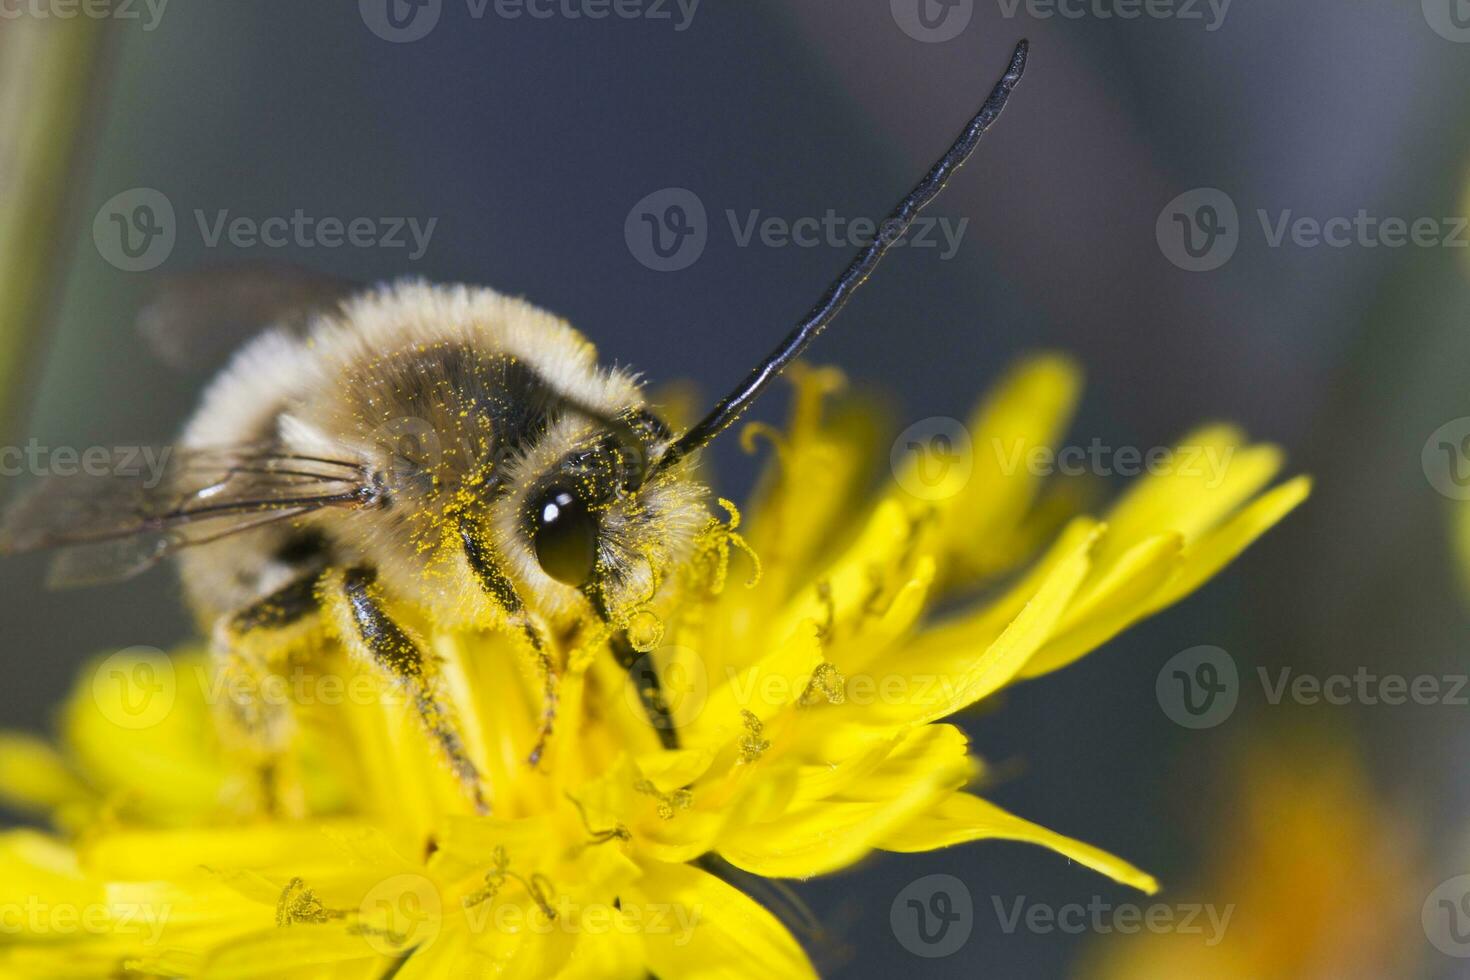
(299, 904)
(827, 683)
(619, 832)
(538, 886)
(713, 553)
(669, 804)
(752, 745)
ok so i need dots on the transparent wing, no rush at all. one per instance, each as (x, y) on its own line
(117, 520)
(198, 318)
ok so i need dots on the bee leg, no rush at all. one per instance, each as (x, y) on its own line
(497, 584)
(370, 634)
(639, 667)
(250, 647)
(550, 691)
(650, 691)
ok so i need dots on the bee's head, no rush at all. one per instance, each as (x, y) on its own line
(607, 509)
(592, 514)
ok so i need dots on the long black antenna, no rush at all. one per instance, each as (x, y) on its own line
(723, 415)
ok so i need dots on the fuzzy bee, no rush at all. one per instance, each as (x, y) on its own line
(442, 449)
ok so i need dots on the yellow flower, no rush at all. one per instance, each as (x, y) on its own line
(1312, 875)
(807, 694)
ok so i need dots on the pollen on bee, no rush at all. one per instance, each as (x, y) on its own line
(645, 631)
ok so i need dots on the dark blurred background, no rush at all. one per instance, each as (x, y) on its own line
(529, 140)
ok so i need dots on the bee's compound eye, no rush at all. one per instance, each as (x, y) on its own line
(565, 536)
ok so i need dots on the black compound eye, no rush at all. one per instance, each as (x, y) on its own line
(564, 533)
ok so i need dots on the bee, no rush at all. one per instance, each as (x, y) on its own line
(446, 450)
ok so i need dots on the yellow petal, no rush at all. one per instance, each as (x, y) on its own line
(771, 684)
(697, 927)
(34, 777)
(616, 955)
(920, 751)
(142, 855)
(827, 835)
(39, 865)
(978, 627)
(1218, 549)
(1147, 580)
(262, 954)
(964, 817)
(1030, 409)
(813, 484)
(1117, 600)
(831, 755)
(139, 723)
(1214, 471)
(941, 680)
